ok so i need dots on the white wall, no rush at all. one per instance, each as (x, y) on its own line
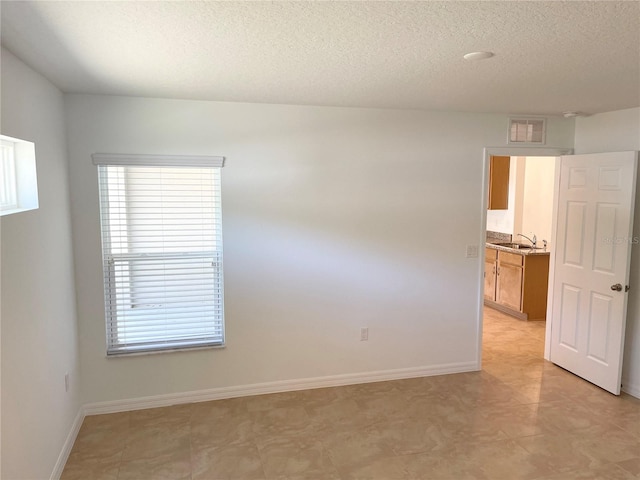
(39, 339)
(334, 219)
(516, 194)
(538, 194)
(608, 132)
(614, 132)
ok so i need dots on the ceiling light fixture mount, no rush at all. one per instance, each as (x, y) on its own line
(478, 55)
(573, 114)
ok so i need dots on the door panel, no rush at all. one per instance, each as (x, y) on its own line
(599, 317)
(593, 235)
(568, 324)
(574, 228)
(604, 253)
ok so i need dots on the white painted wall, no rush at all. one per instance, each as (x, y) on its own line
(334, 219)
(538, 195)
(608, 132)
(614, 132)
(39, 340)
(516, 194)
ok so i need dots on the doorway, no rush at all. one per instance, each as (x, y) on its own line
(593, 211)
(511, 221)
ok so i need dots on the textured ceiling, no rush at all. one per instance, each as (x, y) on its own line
(550, 57)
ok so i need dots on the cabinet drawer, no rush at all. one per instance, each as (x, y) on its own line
(510, 258)
(490, 254)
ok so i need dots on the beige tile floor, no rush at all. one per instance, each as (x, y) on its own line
(520, 418)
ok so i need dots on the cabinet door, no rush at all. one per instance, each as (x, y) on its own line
(499, 183)
(490, 280)
(509, 289)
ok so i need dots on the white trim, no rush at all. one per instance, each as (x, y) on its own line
(522, 151)
(482, 240)
(631, 388)
(220, 393)
(68, 445)
(552, 261)
(157, 160)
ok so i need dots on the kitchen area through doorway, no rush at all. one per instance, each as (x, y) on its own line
(517, 253)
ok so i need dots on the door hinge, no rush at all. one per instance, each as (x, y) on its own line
(627, 288)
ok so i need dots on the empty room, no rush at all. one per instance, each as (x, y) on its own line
(320, 240)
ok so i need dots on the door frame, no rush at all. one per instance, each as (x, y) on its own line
(514, 151)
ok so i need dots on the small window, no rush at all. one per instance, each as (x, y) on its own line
(18, 180)
(162, 252)
(8, 192)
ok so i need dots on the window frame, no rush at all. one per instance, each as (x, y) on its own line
(19, 182)
(9, 193)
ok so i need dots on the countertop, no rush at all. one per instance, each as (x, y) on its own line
(519, 251)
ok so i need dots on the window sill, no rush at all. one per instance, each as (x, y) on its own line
(163, 350)
(11, 211)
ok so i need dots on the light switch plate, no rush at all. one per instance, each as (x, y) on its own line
(472, 251)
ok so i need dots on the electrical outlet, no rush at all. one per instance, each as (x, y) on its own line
(66, 382)
(364, 334)
(472, 251)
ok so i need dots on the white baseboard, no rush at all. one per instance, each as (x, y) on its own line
(68, 445)
(274, 387)
(632, 389)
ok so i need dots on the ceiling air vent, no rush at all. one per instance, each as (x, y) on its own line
(523, 130)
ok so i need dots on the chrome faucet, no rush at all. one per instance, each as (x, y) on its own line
(533, 241)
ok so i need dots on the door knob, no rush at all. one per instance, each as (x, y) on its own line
(617, 287)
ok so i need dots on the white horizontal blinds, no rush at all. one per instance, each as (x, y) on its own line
(162, 250)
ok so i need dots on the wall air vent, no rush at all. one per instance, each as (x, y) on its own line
(527, 130)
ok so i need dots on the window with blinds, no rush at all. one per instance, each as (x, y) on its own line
(162, 252)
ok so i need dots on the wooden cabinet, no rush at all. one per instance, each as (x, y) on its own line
(517, 284)
(509, 283)
(499, 183)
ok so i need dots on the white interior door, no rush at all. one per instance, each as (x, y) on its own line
(591, 269)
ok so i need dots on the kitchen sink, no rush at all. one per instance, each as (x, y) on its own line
(515, 245)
